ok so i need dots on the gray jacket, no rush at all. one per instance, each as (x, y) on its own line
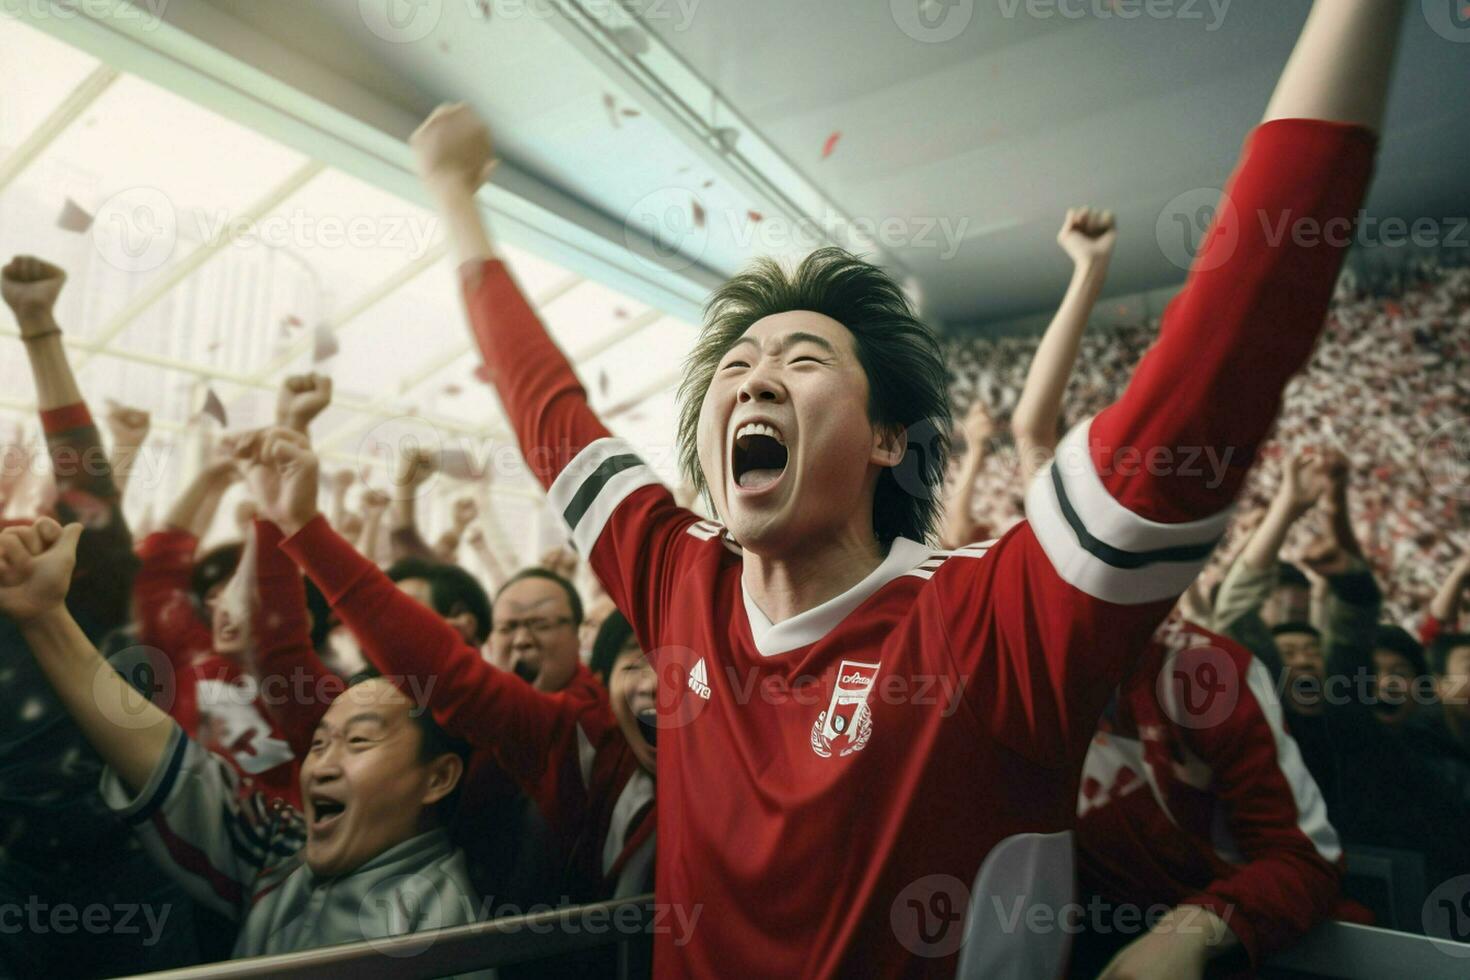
(240, 857)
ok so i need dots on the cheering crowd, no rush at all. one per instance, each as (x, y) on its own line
(867, 681)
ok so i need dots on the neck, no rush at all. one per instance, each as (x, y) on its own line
(789, 584)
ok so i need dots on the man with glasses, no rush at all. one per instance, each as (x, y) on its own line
(538, 615)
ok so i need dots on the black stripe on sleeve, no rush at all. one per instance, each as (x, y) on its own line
(592, 486)
(1117, 557)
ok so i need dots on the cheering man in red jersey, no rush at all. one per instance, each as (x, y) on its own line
(860, 716)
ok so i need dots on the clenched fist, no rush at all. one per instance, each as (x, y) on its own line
(303, 397)
(30, 287)
(129, 426)
(452, 149)
(36, 563)
(283, 474)
(1088, 235)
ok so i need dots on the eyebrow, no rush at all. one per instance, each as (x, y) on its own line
(360, 716)
(791, 340)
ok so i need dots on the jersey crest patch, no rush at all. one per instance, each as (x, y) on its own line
(847, 724)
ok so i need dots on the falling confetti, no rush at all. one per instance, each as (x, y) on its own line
(755, 216)
(697, 211)
(74, 218)
(831, 144)
(611, 105)
(630, 113)
(620, 313)
(444, 46)
(452, 390)
(324, 344)
(631, 41)
(602, 382)
(725, 139)
(482, 373)
(485, 9)
(215, 408)
(293, 321)
(708, 184)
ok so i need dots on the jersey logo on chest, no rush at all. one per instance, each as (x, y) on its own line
(847, 724)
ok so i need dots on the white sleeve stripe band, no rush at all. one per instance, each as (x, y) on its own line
(592, 486)
(1311, 809)
(1099, 546)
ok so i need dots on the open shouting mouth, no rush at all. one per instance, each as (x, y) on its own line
(758, 456)
(324, 812)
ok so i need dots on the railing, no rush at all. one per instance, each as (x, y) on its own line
(1335, 949)
(443, 952)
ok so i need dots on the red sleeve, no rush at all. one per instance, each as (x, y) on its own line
(1277, 817)
(167, 618)
(431, 663)
(588, 474)
(546, 403)
(296, 687)
(1134, 501)
(1430, 629)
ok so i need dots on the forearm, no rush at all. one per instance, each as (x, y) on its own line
(1353, 606)
(285, 661)
(1339, 519)
(469, 237)
(1264, 546)
(127, 731)
(56, 386)
(1341, 66)
(194, 511)
(1445, 606)
(495, 574)
(1036, 414)
(959, 524)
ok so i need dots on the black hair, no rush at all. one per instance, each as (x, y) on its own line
(1397, 640)
(452, 591)
(1442, 647)
(908, 387)
(433, 742)
(1296, 626)
(612, 636)
(573, 599)
(1288, 576)
(215, 567)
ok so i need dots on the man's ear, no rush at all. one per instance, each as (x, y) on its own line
(890, 443)
(444, 774)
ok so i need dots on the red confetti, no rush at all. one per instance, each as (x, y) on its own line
(610, 104)
(482, 373)
(452, 390)
(697, 210)
(831, 144)
(294, 321)
(620, 313)
(755, 216)
(709, 183)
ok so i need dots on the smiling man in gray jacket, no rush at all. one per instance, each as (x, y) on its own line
(368, 858)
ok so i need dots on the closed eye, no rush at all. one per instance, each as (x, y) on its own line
(807, 357)
(735, 364)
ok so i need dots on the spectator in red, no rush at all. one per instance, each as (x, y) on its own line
(1204, 802)
(211, 617)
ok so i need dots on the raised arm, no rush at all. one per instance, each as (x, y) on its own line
(1444, 608)
(405, 540)
(85, 490)
(129, 428)
(128, 732)
(1088, 238)
(959, 509)
(406, 640)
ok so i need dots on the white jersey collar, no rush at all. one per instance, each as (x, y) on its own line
(808, 627)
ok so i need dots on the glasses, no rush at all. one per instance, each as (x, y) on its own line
(540, 627)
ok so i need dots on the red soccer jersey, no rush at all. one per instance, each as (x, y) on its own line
(831, 784)
(215, 699)
(1194, 793)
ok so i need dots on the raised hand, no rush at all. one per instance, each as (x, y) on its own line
(30, 286)
(465, 511)
(129, 426)
(373, 503)
(283, 475)
(36, 563)
(1326, 557)
(303, 397)
(977, 426)
(415, 467)
(1303, 481)
(1088, 235)
(452, 149)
